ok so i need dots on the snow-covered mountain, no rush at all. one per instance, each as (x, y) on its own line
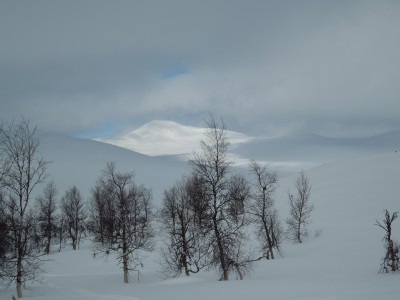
(80, 162)
(160, 137)
(286, 153)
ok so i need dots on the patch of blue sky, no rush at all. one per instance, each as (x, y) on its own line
(174, 70)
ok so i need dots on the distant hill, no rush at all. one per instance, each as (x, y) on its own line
(160, 137)
(80, 162)
(286, 153)
(310, 150)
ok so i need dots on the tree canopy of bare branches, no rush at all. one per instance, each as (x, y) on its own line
(47, 215)
(74, 215)
(391, 260)
(124, 212)
(23, 169)
(226, 195)
(264, 215)
(300, 208)
(185, 245)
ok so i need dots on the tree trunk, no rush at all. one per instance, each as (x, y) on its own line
(47, 250)
(19, 276)
(125, 267)
(221, 252)
(19, 254)
(125, 260)
(185, 247)
(298, 233)
(271, 251)
(187, 273)
(124, 242)
(268, 237)
(239, 271)
(19, 290)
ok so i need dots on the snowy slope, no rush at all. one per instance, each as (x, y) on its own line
(287, 153)
(310, 150)
(340, 264)
(80, 162)
(160, 137)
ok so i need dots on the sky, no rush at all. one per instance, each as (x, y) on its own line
(97, 68)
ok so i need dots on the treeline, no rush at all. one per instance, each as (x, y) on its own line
(205, 220)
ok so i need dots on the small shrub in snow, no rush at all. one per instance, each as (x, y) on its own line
(318, 233)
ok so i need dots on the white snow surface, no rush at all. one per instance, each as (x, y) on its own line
(161, 137)
(284, 153)
(341, 264)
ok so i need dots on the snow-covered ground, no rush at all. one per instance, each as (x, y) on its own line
(342, 263)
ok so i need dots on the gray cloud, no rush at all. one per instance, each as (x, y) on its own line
(268, 67)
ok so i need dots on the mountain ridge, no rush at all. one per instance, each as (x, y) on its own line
(163, 137)
(299, 150)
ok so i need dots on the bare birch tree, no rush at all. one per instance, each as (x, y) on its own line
(46, 207)
(300, 209)
(214, 167)
(5, 239)
(185, 247)
(74, 215)
(102, 214)
(131, 231)
(262, 211)
(25, 170)
(391, 260)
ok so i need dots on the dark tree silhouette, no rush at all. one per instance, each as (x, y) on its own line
(263, 214)
(47, 215)
(390, 262)
(74, 215)
(300, 209)
(185, 246)
(126, 219)
(22, 171)
(225, 195)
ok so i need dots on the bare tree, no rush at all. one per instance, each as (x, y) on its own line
(235, 222)
(300, 208)
(185, 247)
(129, 232)
(25, 170)
(264, 215)
(74, 214)
(32, 262)
(102, 213)
(225, 218)
(5, 240)
(391, 260)
(47, 215)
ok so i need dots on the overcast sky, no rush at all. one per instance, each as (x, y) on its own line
(95, 68)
